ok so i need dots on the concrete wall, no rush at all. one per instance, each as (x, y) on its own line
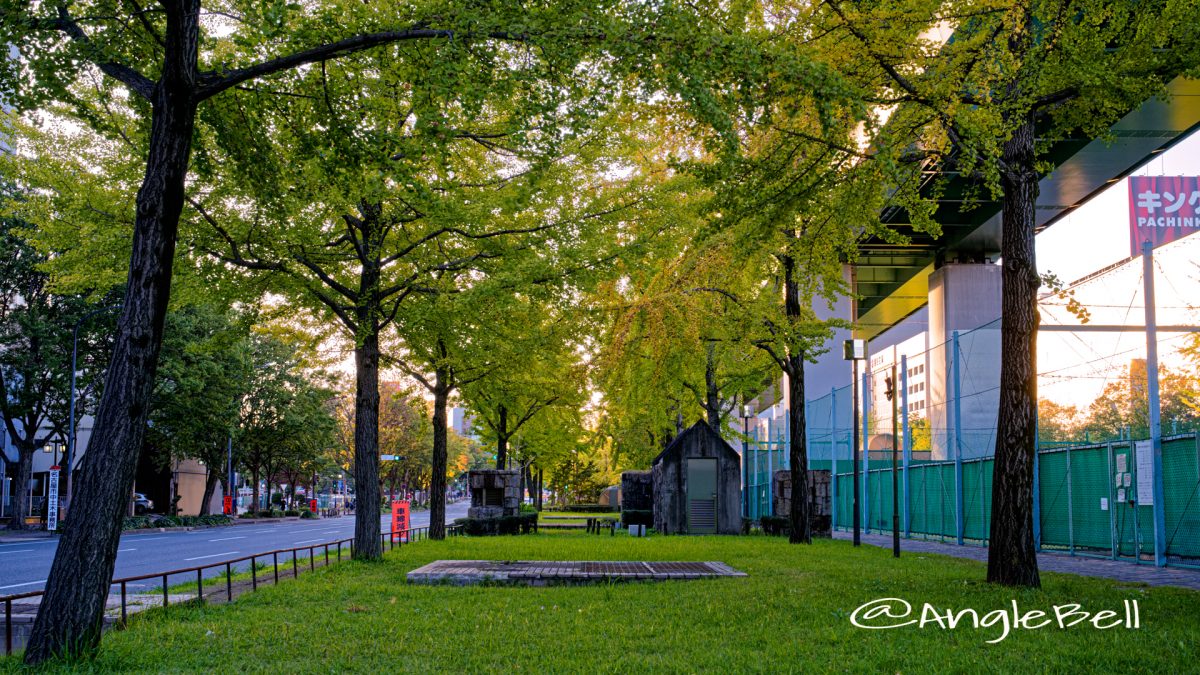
(963, 297)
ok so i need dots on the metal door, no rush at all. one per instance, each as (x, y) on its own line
(702, 495)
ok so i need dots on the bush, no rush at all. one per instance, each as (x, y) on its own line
(528, 508)
(776, 525)
(637, 517)
(520, 524)
(249, 514)
(586, 508)
(308, 514)
(291, 513)
(140, 522)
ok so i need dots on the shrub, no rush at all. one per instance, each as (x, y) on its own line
(291, 513)
(776, 525)
(308, 514)
(637, 517)
(520, 524)
(248, 514)
(136, 523)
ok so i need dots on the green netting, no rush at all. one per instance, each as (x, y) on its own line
(1052, 493)
(1181, 484)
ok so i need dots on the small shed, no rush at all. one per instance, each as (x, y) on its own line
(697, 485)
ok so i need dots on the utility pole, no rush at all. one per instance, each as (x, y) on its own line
(893, 397)
(855, 351)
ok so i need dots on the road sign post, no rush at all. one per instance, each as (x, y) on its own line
(52, 500)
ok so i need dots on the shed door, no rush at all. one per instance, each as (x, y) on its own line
(702, 495)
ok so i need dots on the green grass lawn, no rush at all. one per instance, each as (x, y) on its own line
(791, 613)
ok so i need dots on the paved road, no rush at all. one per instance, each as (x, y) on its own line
(24, 566)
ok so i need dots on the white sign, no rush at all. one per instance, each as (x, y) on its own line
(1145, 472)
(1104, 503)
(52, 501)
(1121, 495)
(1121, 463)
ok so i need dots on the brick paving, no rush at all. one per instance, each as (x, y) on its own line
(1123, 571)
(547, 572)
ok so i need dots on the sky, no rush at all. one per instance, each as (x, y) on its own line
(1076, 366)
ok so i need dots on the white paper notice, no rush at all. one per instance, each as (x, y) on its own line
(1121, 463)
(1104, 503)
(1128, 480)
(1121, 495)
(1145, 473)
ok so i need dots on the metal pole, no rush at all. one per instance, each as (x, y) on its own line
(69, 458)
(745, 463)
(1037, 490)
(833, 480)
(1160, 529)
(854, 453)
(866, 450)
(958, 473)
(232, 490)
(895, 468)
(906, 440)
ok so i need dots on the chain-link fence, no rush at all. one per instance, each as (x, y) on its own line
(1094, 484)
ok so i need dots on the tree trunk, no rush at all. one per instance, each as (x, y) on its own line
(367, 545)
(540, 489)
(210, 487)
(437, 481)
(20, 488)
(502, 438)
(801, 522)
(71, 613)
(712, 395)
(527, 484)
(1012, 558)
(254, 497)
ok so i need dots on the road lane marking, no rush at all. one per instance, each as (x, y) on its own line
(27, 583)
(227, 539)
(215, 555)
(21, 550)
(308, 541)
(122, 550)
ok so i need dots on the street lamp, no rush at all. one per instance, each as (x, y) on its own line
(747, 413)
(855, 350)
(69, 456)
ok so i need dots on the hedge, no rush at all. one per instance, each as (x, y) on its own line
(522, 524)
(637, 517)
(583, 508)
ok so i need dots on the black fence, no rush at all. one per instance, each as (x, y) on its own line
(332, 550)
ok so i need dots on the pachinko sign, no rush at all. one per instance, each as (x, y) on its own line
(1162, 209)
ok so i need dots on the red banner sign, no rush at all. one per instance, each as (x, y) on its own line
(1162, 209)
(400, 521)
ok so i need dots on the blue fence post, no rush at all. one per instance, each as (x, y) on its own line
(906, 439)
(958, 470)
(866, 464)
(1037, 488)
(833, 439)
(770, 469)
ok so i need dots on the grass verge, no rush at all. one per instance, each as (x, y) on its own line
(791, 614)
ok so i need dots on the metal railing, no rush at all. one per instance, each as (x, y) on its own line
(390, 541)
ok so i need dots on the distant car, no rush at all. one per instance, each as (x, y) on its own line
(141, 504)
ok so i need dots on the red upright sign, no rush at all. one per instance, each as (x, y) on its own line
(228, 505)
(1162, 209)
(399, 521)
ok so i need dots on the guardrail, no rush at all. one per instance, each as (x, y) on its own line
(390, 541)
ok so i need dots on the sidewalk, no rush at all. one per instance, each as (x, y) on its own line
(1051, 562)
